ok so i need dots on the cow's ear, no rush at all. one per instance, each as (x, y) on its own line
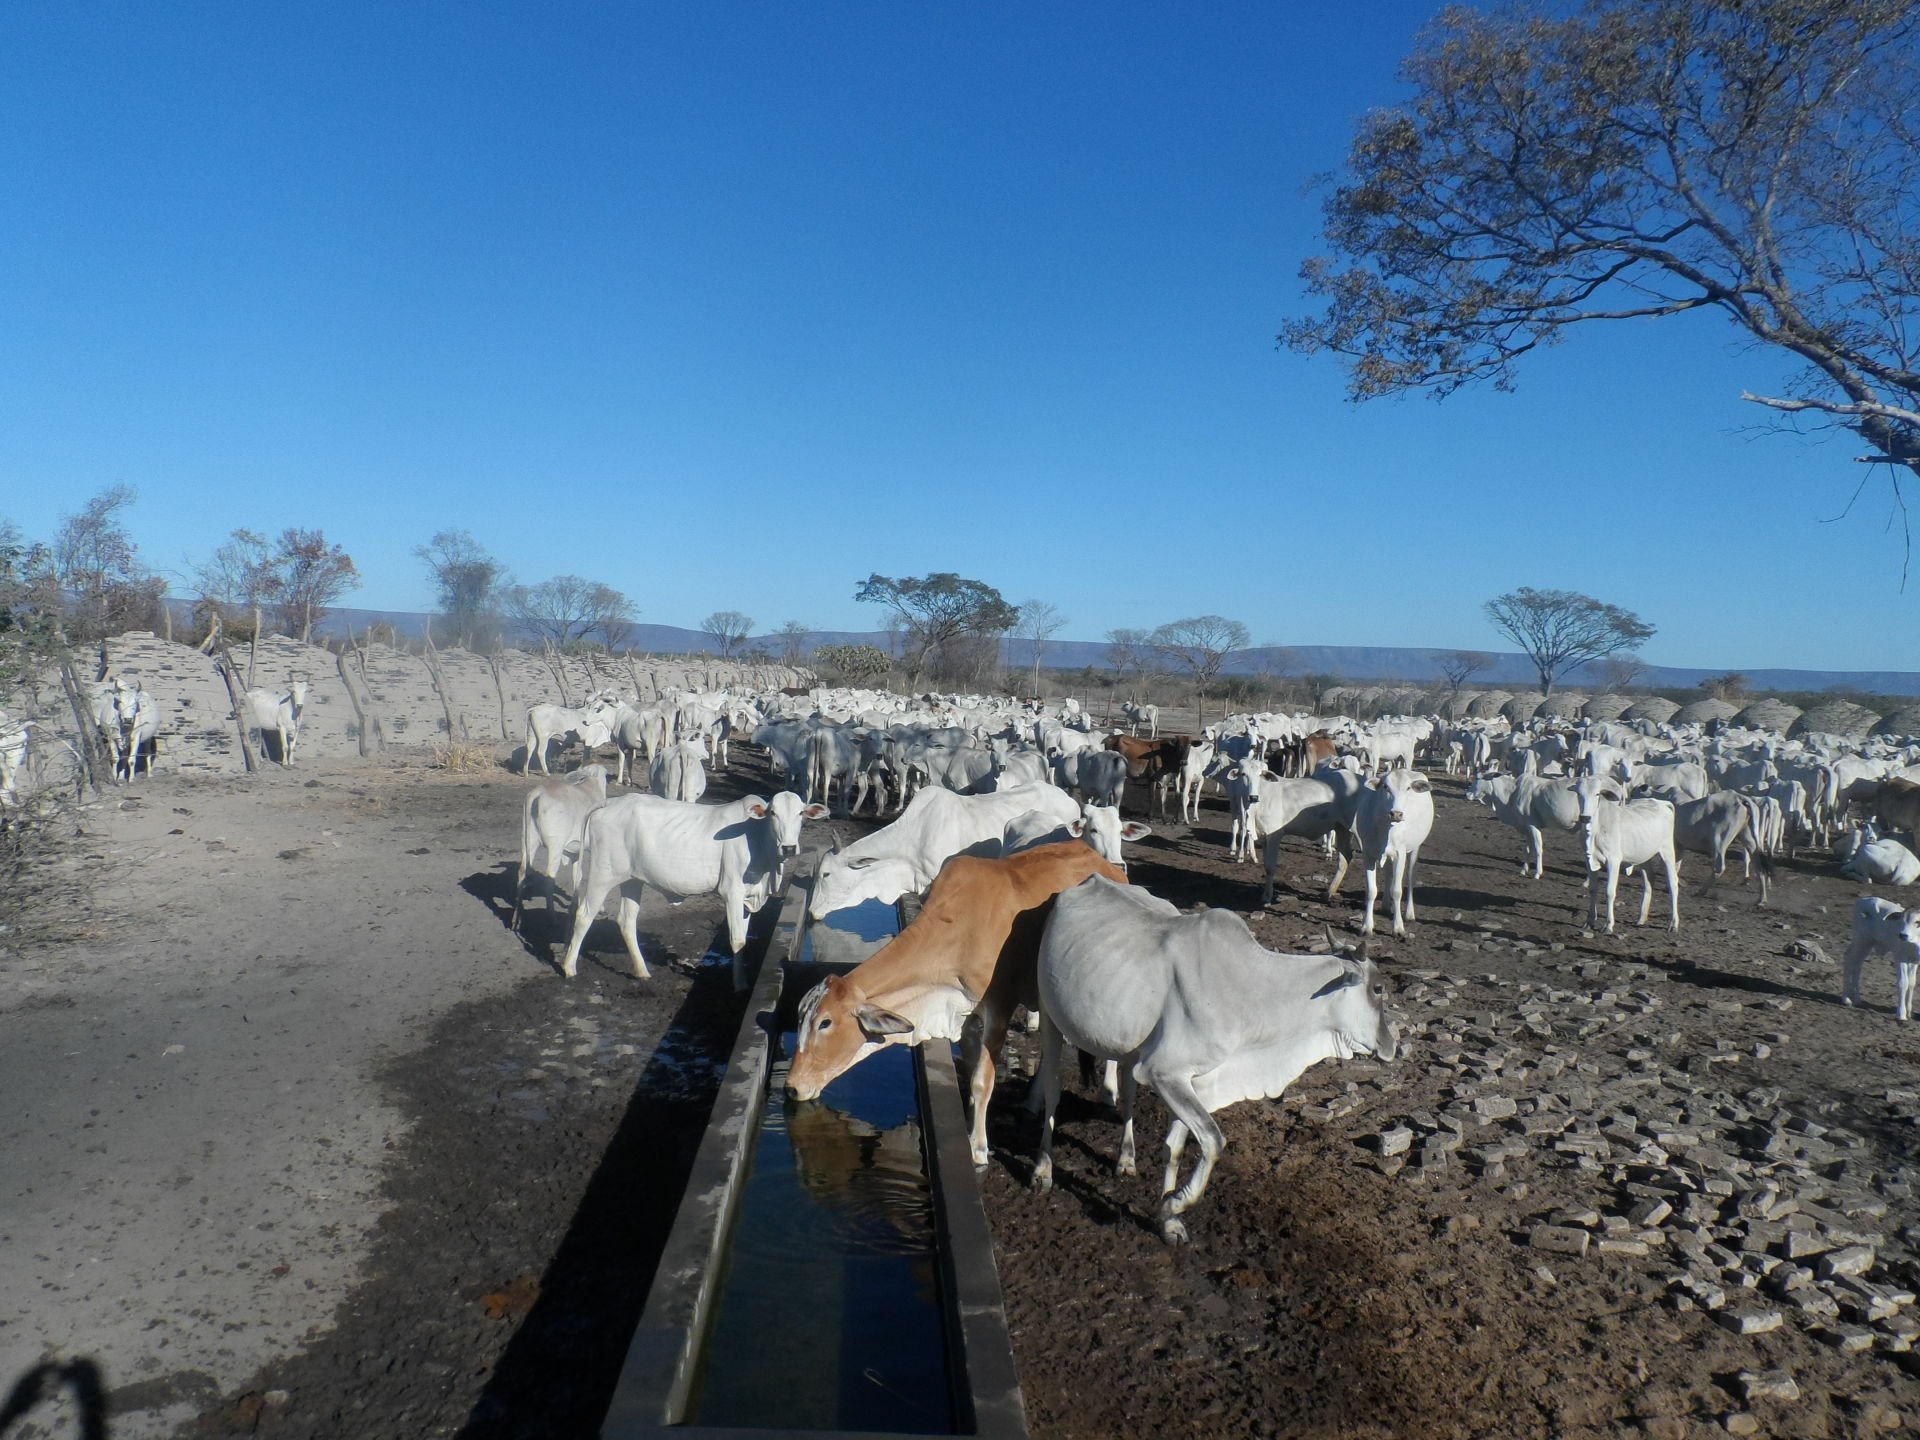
(1420, 783)
(817, 811)
(1351, 974)
(1135, 830)
(877, 1024)
(758, 808)
(861, 862)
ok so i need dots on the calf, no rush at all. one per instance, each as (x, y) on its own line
(1883, 928)
(1627, 835)
(970, 952)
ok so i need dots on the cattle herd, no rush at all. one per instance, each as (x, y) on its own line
(1007, 821)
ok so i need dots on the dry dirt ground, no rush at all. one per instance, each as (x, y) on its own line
(301, 1140)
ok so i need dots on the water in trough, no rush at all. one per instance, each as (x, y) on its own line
(829, 1313)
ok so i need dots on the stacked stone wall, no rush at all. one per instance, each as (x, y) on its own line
(407, 699)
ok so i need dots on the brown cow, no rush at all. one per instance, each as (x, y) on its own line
(1157, 762)
(972, 949)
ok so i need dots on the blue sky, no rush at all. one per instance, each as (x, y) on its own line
(730, 305)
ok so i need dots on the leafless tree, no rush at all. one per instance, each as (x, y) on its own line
(96, 563)
(1460, 666)
(1039, 622)
(1621, 672)
(728, 628)
(793, 637)
(567, 608)
(1561, 630)
(1732, 686)
(1200, 645)
(1554, 166)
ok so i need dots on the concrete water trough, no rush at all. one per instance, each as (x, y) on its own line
(830, 1271)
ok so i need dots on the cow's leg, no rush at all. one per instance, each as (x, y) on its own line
(1413, 864)
(1343, 846)
(1613, 889)
(1646, 893)
(588, 896)
(1180, 1098)
(1270, 862)
(630, 925)
(1129, 1089)
(1373, 891)
(1673, 890)
(1905, 971)
(993, 1035)
(1536, 852)
(1047, 1082)
(1176, 1143)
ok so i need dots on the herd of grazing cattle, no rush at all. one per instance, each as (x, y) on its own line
(1007, 822)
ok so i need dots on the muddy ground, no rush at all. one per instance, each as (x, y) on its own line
(302, 1140)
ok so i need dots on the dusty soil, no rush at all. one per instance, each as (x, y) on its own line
(301, 1140)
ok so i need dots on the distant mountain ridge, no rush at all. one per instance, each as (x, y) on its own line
(1377, 663)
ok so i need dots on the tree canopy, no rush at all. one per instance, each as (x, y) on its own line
(1755, 158)
(1561, 630)
(468, 580)
(568, 608)
(728, 628)
(938, 609)
(1200, 645)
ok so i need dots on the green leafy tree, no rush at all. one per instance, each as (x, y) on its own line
(935, 610)
(467, 581)
(854, 663)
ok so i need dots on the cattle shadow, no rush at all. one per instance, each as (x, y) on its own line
(558, 1373)
(1013, 1136)
(1683, 971)
(42, 1387)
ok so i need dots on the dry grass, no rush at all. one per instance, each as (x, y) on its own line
(463, 757)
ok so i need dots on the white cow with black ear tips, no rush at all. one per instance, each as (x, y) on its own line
(1391, 823)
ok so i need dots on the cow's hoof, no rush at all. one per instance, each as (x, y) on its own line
(1172, 1231)
(1125, 1166)
(980, 1159)
(1042, 1179)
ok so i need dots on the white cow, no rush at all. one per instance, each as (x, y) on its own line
(105, 705)
(1882, 862)
(1193, 777)
(552, 821)
(679, 772)
(592, 722)
(1391, 821)
(1196, 1009)
(735, 851)
(14, 737)
(279, 713)
(139, 720)
(902, 858)
(1320, 806)
(1628, 835)
(1138, 715)
(1882, 927)
(1530, 804)
(1099, 825)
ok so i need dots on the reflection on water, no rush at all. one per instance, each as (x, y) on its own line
(849, 935)
(829, 1314)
